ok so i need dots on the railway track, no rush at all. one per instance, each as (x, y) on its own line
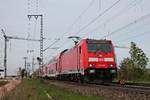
(114, 85)
(113, 91)
(131, 86)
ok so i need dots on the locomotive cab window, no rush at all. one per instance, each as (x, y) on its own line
(100, 47)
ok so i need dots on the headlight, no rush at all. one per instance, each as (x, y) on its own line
(108, 59)
(111, 65)
(92, 71)
(90, 65)
(113, 71)
(93, 59)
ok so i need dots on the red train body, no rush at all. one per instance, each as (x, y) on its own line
(89, 60)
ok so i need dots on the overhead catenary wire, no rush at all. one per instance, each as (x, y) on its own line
(92, 21)
(135, 36)
(128, 25)
(99, 15)
(133, 29)
(51, 45)
(131, 5)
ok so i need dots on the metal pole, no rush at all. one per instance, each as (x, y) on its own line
(33, 64)
(5, 58)
(25, 63)
(5, 49)
(41, 42)
(41, 36)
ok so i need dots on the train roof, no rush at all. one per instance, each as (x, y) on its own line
(97, 40)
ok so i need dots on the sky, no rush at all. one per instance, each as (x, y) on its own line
(121, 21)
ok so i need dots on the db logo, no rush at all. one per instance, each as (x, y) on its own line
(100, 59)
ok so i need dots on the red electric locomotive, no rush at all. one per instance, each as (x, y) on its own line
(89, 60)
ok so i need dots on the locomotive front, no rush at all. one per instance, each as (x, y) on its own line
(101, 60)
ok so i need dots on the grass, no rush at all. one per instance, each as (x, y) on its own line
(31, 89)
(3, 83)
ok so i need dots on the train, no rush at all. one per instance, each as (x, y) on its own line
(89, 60)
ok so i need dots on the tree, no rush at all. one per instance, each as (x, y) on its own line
(133, 67)
(138, 56)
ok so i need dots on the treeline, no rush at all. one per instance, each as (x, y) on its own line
(133, 68)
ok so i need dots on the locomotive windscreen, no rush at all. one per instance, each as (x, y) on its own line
(100, 47)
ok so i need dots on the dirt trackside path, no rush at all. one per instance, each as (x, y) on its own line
(8, 87)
